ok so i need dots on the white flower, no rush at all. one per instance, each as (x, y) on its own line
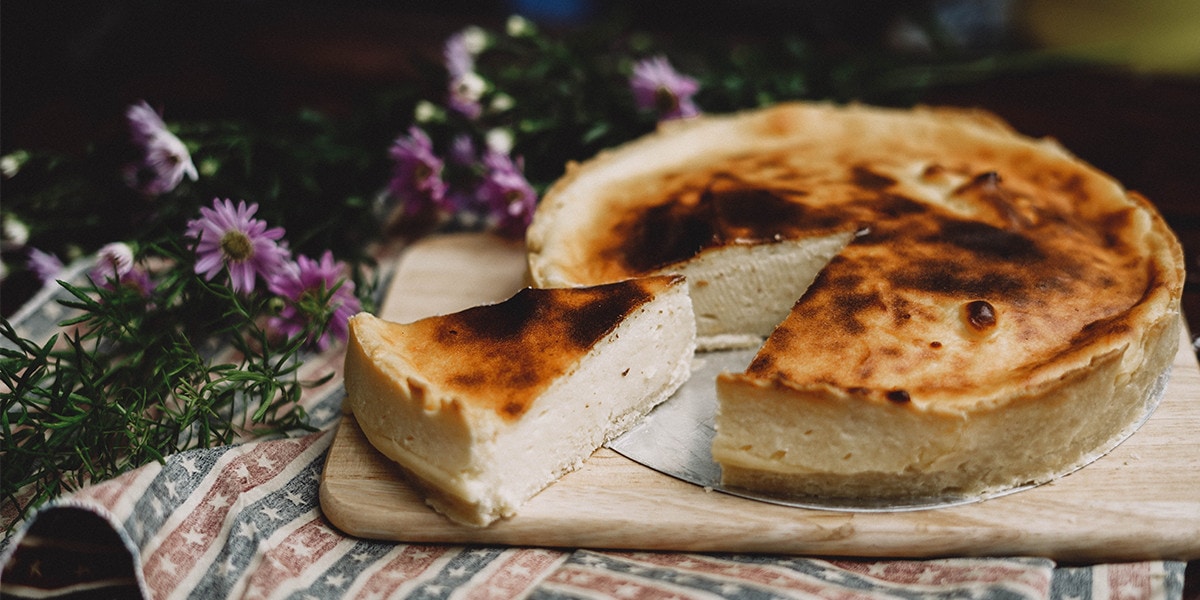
(499, 140)
(470, 86)
(502, 102)
(465, 92)
(475, 39)
(10, 164)
(16, 232)
(426, 111)
(518, 26)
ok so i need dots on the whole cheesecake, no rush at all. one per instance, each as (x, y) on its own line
(485, 407)
(945, 308)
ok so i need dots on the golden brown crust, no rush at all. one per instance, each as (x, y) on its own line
(954, 211)
(503, 355)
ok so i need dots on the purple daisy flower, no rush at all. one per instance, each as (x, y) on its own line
(227, 236)
(658, 86)
(113, 261)
(45, 265)
(417, 176)
(506, 193)
(306, 281)
(461, 48)
(115, 266)
(165, 159)
(139, 280)
(459, 59)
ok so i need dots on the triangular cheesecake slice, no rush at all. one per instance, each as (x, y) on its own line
(486, 407)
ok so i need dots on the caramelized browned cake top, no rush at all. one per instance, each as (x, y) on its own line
(503, 355)
(980, 256)
(928, 297)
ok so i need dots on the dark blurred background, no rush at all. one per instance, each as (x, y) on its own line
(69, 67)
(1131, 107)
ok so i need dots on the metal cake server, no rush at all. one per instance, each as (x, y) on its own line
(676, 437)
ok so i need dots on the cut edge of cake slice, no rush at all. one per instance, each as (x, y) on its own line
(741, 292)
(558, 373)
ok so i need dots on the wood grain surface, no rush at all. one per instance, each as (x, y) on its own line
(1141, 501)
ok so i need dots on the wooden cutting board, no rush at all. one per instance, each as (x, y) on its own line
(1141, 501)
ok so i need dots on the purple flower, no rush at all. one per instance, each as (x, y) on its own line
(45, 265)
(113, 262)
(506, 193)
(466, 87)
(459, 59)
(226, 236)
(462, 150)
(305, 282)
(139, 280)
(114, 266)
(463, 205)
(461, 49)
(657, 86)
(165, 160)
(417, 175)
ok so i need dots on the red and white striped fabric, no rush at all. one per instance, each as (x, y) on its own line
(245, 522)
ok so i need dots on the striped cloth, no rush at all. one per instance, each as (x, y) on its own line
(245, 521)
